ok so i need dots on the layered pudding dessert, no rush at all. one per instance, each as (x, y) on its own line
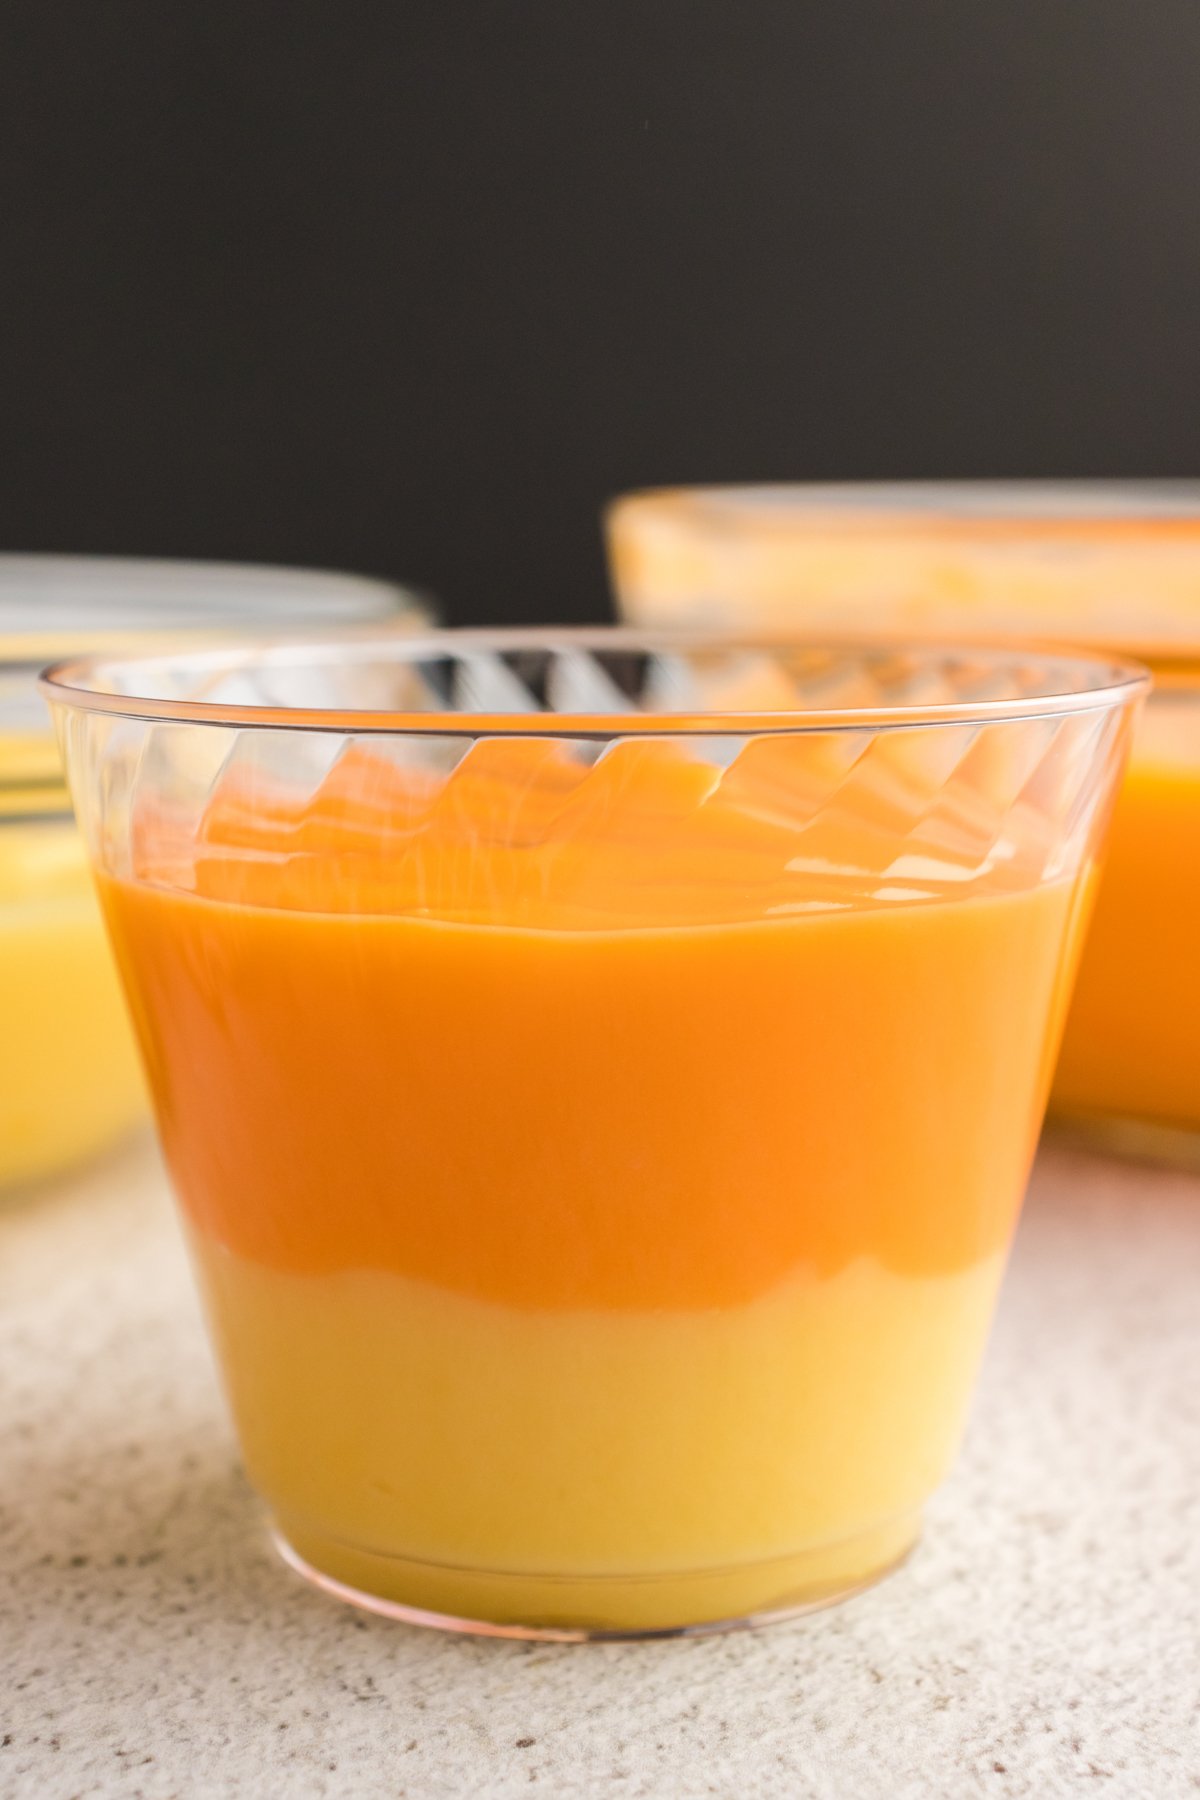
(599, 1161)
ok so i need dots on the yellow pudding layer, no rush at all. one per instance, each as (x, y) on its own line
(621, 1469)
(69, 1077)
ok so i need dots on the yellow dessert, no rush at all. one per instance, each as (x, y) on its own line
(70, 1084)
(69, 1077)
(621, 1469)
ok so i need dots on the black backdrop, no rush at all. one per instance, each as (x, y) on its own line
(411, 287)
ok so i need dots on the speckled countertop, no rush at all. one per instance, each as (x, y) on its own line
(1044, 1641)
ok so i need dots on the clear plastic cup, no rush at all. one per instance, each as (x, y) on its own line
(599, 1076)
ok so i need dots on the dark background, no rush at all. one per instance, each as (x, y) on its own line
(412, 287)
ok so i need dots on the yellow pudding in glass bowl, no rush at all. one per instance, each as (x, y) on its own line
(70, 1082)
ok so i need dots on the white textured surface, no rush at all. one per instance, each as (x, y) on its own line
(1045, 1641)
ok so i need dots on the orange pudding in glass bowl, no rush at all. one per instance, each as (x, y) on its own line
(70, 1084)
(1130, 1064)
(599, 1078)
(1099, 564)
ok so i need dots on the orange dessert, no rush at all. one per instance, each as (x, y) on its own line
(599, 1177)
(1132, 1044)
(1098, 564)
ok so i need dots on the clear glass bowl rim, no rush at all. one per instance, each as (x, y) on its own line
(1084, 683)
(118, 596)
(56, 604)
(1041, 505)
(959, 514)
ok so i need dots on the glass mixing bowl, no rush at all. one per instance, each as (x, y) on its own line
(1113, 565)
(69, 1079)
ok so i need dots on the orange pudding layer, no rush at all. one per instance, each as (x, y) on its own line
(580, 1245)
